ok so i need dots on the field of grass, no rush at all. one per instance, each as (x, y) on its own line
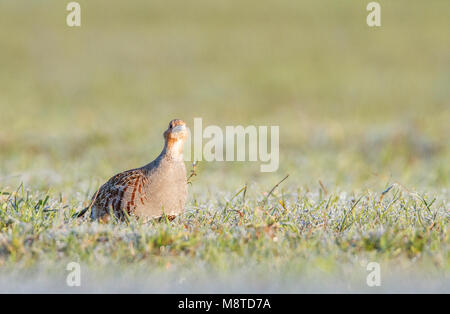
(360, 109)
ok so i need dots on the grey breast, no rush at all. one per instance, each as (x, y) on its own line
(166, 191)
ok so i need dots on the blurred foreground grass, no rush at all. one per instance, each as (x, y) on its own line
(358, 109)
(284, 244)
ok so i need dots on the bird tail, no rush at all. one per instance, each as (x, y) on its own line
(80, 213)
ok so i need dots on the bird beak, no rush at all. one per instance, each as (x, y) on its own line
(179, 128)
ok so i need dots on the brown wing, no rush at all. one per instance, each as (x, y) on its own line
(121, 192)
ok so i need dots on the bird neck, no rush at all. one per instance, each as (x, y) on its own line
(173, 150)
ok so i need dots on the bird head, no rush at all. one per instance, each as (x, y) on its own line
(175, 135)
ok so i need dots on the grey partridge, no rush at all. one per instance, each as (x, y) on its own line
(155, 189)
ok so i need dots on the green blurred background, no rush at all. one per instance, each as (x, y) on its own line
(357, 107)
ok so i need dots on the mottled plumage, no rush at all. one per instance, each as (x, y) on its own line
(156, 188)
